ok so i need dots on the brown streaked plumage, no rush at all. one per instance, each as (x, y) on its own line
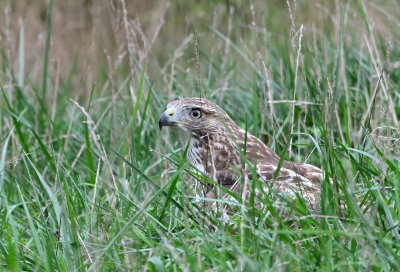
(217, 142)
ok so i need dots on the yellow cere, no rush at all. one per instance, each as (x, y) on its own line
(170, 111)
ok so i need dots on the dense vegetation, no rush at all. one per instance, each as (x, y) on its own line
(88, 182)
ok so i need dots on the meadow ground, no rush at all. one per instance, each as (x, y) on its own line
(89, 183)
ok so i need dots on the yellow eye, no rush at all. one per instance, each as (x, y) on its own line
(195, 114)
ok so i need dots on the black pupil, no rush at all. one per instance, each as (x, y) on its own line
(195, 113)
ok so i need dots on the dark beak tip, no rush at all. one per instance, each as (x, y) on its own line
(162, 121)
(160, 125)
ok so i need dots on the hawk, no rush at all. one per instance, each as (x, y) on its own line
(223, 151)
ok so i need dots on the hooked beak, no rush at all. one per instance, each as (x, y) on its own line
(165, 119)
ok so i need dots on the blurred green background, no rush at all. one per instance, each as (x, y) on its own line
(91, 36)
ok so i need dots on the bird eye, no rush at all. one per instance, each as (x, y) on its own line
(195, 114)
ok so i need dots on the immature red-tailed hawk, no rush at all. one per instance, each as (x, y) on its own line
(216, 148)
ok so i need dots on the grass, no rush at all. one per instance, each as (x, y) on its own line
(89, 183)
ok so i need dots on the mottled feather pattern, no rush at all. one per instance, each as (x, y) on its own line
(215, 148)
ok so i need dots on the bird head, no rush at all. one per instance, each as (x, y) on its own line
(193, 114)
